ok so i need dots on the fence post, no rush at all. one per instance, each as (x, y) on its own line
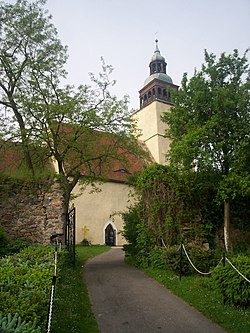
(52, 292)
(74, 237)
(181, 258)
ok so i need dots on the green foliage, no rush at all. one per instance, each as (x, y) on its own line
(25, 282)
(10, 246)
(161, 202)
(16, 245)
(14, 324)
(209, 126)
(82, 129)
(131, 220)
(197, 291)
(172, 201)
(209, 123)
(144, 244)
(203, 260)
(31, 54)
(141, 242)
(4, 241)
(72, 309)
(156, 258)
(232, 286)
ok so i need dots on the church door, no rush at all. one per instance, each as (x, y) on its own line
(110, 235)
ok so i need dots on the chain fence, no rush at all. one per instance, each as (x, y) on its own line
(208, 273)
(191, 263)
(236, 269)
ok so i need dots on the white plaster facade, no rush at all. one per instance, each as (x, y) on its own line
(97, 210)
(152, 129)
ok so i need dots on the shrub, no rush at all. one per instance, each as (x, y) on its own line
(156, 258)
(17, 245)
(204, 261)
(8, 246)
(4, 241)
(172, 258)
(15, 324)
(232, 286)
(144, 245)
(130, 231)
(25, 282)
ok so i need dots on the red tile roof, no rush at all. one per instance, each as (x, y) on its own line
(116, 164)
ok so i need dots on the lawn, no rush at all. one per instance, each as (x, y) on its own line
(197, 291)
(72, 309)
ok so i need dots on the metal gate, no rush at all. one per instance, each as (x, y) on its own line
(70, 234)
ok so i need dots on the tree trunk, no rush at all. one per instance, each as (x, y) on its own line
(25, 144)
(227, 238)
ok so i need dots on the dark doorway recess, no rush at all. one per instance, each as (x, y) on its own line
(110, 236)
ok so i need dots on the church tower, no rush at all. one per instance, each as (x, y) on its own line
(155, 99)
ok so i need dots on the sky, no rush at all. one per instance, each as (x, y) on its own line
(123, 32)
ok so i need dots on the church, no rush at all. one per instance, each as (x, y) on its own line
(98, 213)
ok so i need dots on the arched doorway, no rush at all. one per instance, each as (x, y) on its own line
(110, 235)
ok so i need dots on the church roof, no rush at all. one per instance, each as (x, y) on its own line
(160, 76)
(117, 167)
(157, 54)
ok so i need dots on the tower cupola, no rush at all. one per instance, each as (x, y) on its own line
(158, 83)
(157, 64)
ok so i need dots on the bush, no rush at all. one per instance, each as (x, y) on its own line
(204, 261)
(8, 246)
(14, 324)
(17, 245)
(156, 258)
(172, 258)
(25, 282)
(131, 220)
(4, 241)
(232, 286)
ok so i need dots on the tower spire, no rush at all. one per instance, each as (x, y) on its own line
(156, 46)
(155, 100)
(158, 84)
(157, 63)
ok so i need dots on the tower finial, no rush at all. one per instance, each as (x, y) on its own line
(156, 46)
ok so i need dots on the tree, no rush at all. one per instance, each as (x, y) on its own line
(30, 54)
(209, 125)
(82, 130)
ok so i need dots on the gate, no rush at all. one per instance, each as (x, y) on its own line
(70, 234)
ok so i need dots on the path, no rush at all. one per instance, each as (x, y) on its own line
(125, 300)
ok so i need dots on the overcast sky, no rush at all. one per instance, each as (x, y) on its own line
(123, 32)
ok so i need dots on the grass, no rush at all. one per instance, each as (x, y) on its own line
(197, 291)
(72, 310)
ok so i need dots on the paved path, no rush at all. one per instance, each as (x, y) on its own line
(125, 300)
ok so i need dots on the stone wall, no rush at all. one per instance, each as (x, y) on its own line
(32, 211)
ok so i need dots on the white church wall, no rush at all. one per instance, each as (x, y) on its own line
(94, 211)
(152, 129)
